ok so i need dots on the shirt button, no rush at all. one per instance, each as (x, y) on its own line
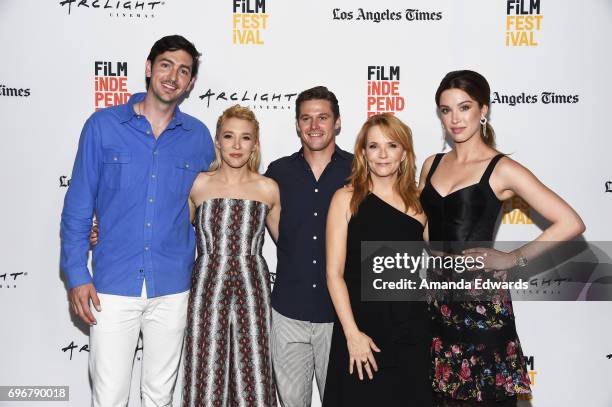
(316, 214)
(146, 247)
(115, 158)
(148, 132)
(148, 224)
(155, 152)
(316, 189)
(151, 200)
(186, 165)
(153, 176)
(314, 286)
(314, 238)
(314, 262)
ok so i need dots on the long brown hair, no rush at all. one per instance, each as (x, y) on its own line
(360, 179)
(477, 87)
(242, 113)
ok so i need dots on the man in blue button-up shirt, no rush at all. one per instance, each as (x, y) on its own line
(134, 168)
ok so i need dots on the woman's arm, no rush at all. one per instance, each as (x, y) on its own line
(274, 215)
(511, 179)
(359, 345)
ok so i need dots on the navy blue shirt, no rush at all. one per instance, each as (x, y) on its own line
(300, 290)
(138, 187)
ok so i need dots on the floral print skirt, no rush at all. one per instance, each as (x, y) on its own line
(476, 353)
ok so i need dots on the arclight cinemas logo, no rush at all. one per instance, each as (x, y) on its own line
(115, 8)
(110, 84)
(254, 99)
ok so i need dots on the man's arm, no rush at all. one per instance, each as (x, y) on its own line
(77, 216)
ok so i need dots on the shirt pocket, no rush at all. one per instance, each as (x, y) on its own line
(184, 172)
(116, 169)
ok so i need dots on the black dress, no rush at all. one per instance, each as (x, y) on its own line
(399, 329)
(475, 352)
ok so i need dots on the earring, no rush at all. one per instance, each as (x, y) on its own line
(483, 123)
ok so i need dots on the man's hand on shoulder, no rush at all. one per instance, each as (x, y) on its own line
(79, 301)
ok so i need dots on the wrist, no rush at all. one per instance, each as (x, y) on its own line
(352, 332)
(520, 261)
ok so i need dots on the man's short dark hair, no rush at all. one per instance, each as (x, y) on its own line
(174, 43)
(318, 93)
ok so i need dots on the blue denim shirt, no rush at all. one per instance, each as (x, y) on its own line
(138, 187)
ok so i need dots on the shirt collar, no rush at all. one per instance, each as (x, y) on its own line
(338, 153)
(128, 112)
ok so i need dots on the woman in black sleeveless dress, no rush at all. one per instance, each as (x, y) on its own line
(379, 352)
(476, 354)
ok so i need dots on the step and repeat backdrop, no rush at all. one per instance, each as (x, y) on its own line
(548, 63)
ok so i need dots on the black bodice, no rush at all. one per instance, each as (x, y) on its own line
(467, 214)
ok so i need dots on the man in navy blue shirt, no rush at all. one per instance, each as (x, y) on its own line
(303, 314)
(134, 168)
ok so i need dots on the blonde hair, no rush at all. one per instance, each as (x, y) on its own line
(242, 113)
(360, 179)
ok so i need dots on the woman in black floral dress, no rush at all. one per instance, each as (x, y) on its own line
(476, 354)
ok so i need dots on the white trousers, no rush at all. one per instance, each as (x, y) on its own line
(113, 341)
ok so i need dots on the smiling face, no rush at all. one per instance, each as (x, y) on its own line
(383, 155)
(236, 141)
(170, 75)
(460, 115)
(316, 125)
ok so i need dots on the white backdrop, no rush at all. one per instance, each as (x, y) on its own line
(47, 78)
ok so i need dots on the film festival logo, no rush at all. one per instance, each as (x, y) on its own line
(255, 100)
(383, 90)
(110, 84)
(608, 186)
(14, 92)
(523, 22)
(249, 21)
(115, 8)
(531, 373)
(10, 280)
(516, 212)
(530, 362)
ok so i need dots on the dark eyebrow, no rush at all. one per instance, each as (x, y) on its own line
(172, 62)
